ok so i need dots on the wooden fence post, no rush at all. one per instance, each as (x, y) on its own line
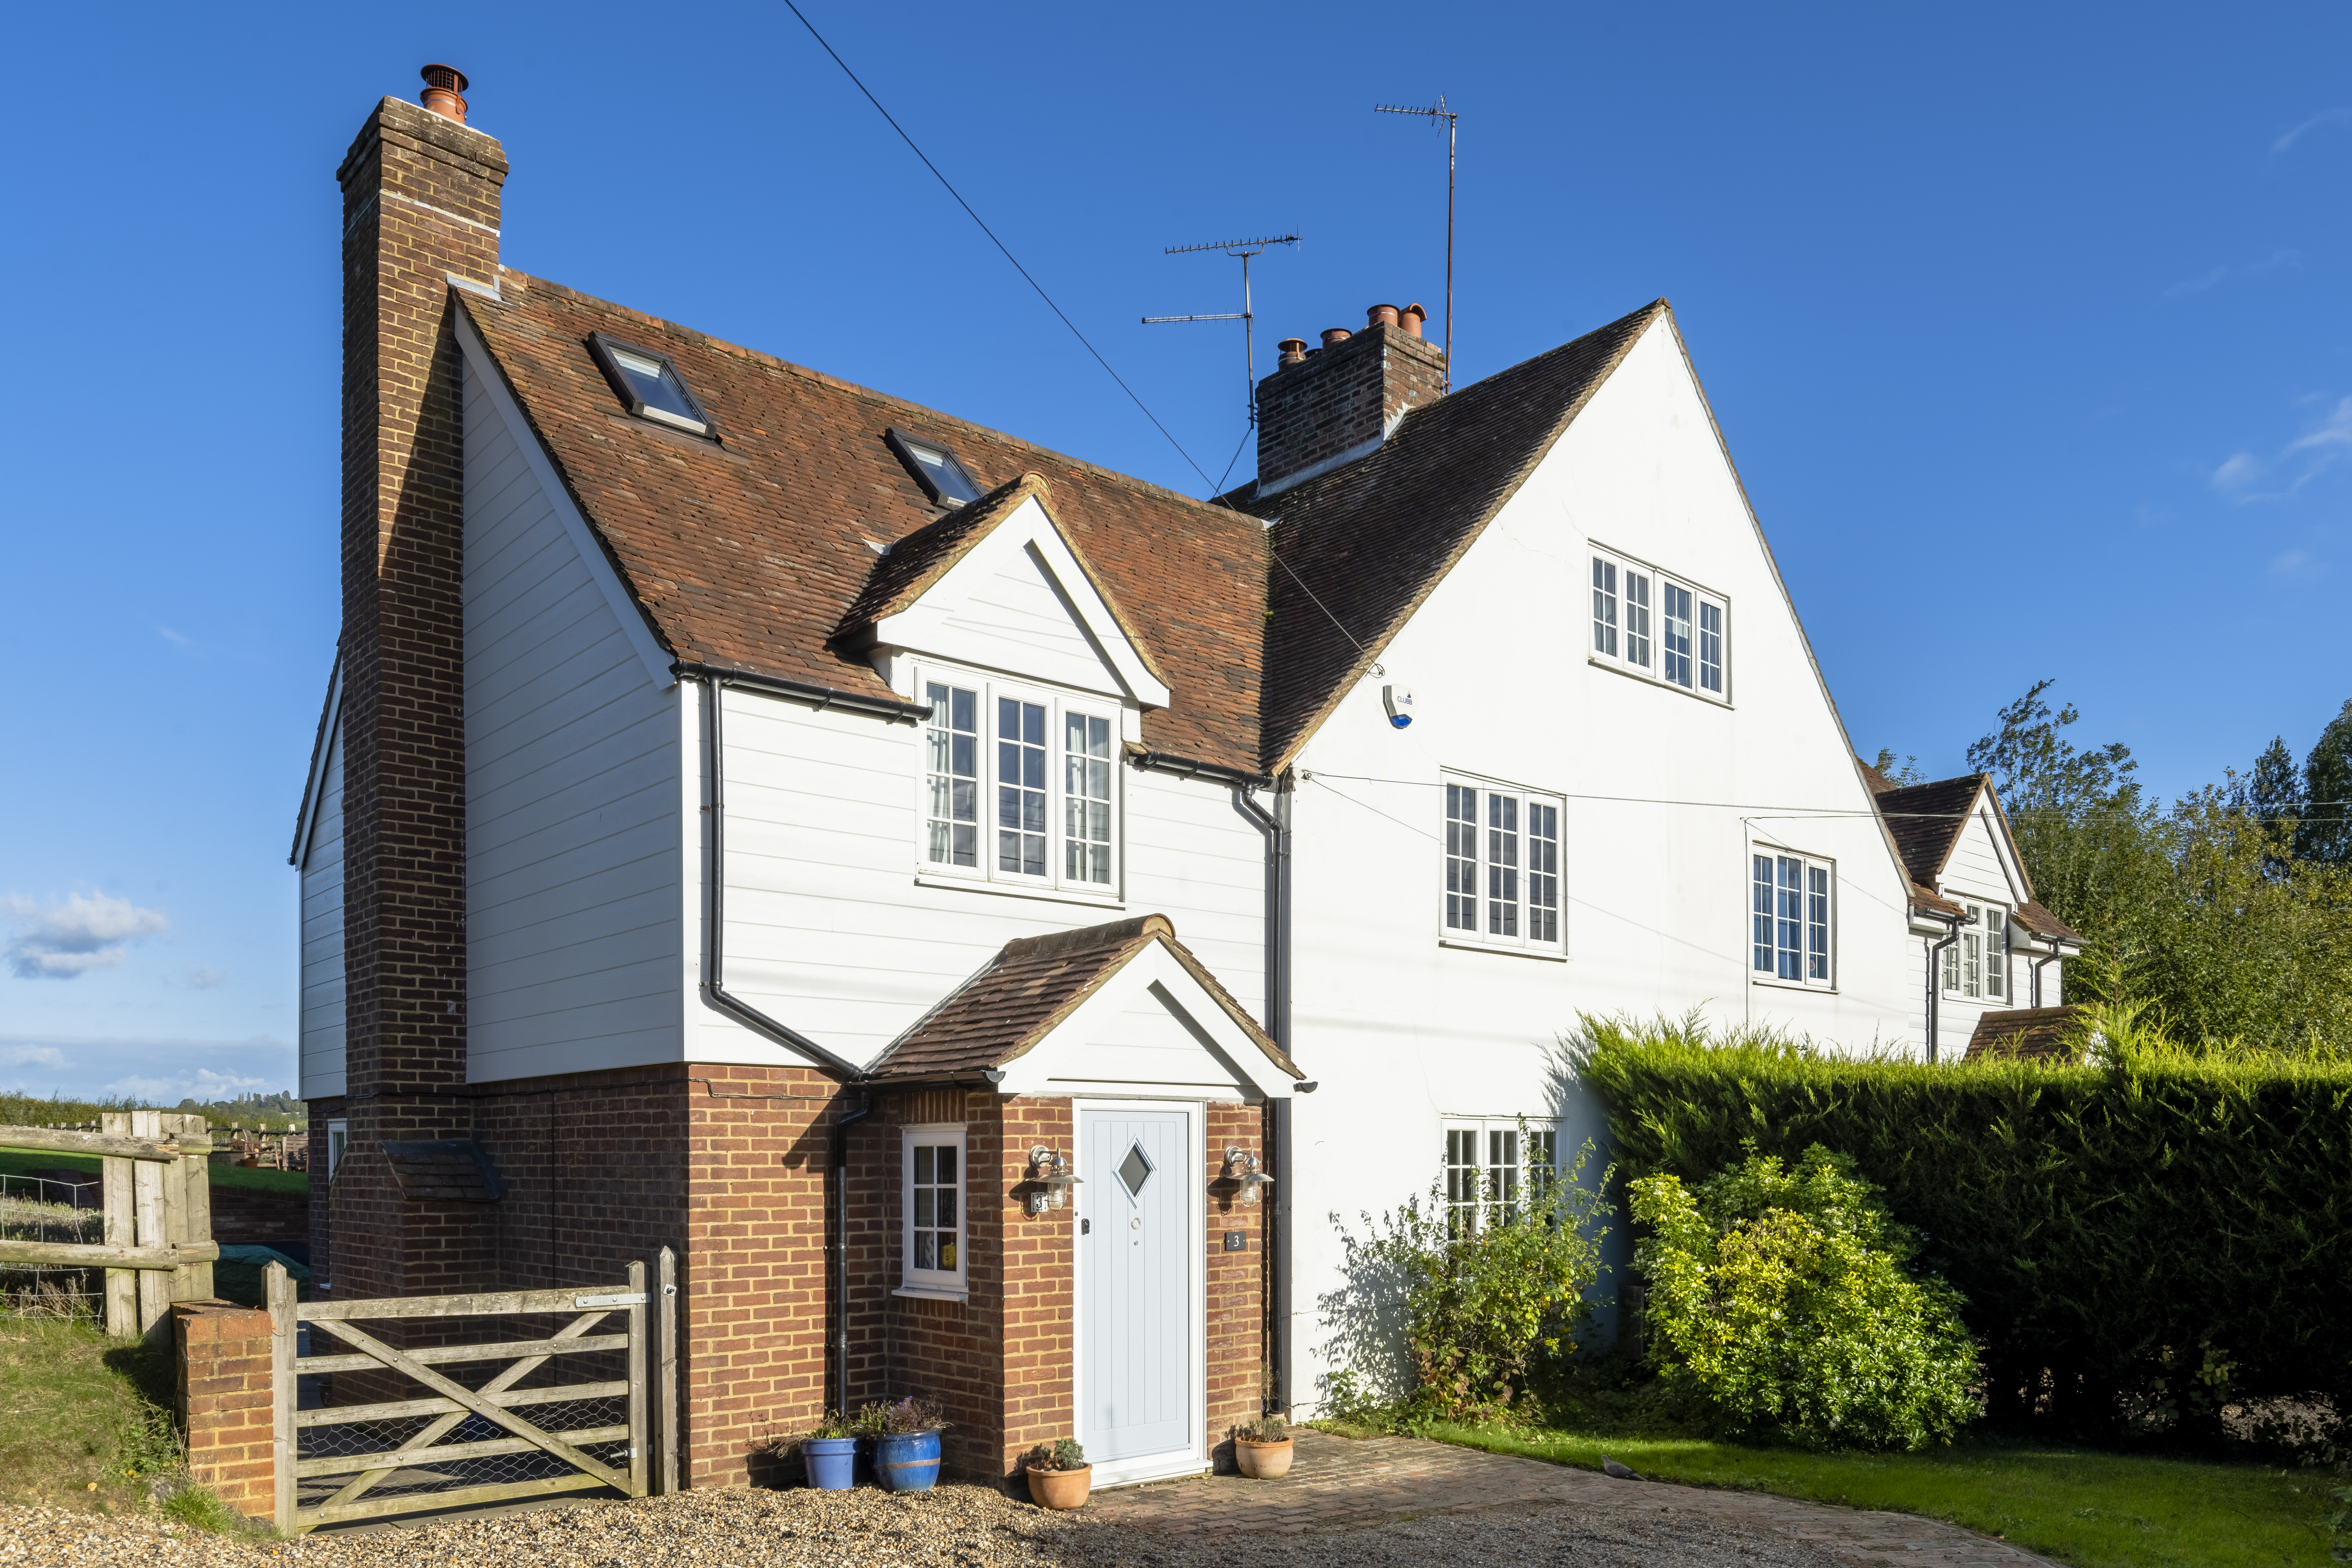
(148, 1213)
(640, 1400)
(121, 1230)
(278, 1293)
(667, 1416)
(187, 1205)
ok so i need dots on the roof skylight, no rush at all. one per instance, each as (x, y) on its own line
(949, 481)
(649, 384)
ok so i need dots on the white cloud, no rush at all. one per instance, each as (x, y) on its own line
(2197, 285)
(31, 1057)
(2299, 565)
(89, 931)
(2278, 258)
(204, 977)
(177, 639)
(202, 1084)
(2336, 432)
(2298, 463)
(2241, 469)
(2324, 118)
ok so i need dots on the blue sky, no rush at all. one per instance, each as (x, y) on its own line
(2026, 325)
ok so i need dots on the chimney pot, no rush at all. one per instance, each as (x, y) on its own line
(1334, 336)
(1294, 350)
(442, 86)
(1379, 316)
(1411, 318)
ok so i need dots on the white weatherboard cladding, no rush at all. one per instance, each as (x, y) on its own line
(573, 829)
(322, 931)
(1402, 1032)
(829, 931)
(1979, 870)
(1019, 602)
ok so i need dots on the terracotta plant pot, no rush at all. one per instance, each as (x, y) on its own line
(1262, 1461)
(1061, 1489)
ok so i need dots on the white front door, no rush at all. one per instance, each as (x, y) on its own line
(1137, 1379)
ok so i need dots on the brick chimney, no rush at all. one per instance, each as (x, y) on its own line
(421, 195)
(1325, 407)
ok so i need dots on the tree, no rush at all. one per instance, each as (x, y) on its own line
(1899, 771)
(2326, 834)
(2272, 796)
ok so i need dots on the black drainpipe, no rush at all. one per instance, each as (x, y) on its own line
(1278, 1024)
(1952, 924)
(714, 684)
(2052, 957)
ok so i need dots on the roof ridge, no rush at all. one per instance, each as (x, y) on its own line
(1061, 944)
(857, 389)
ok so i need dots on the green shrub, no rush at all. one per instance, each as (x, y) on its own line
(1484, 1291)
(2141, 1242)
(1778, 1296)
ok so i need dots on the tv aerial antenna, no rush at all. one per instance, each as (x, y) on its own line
(1245, 250)
(1440, 115)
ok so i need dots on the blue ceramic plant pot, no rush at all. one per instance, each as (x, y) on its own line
(907, 1461)
(832, 1462)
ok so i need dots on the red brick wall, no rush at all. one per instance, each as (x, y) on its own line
(1236, 1281)
(1341, 397)
(225, 1368)
(421, 201)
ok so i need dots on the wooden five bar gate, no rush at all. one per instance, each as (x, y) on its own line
(461, 1443)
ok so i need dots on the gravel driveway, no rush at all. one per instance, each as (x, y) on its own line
(951, 1527)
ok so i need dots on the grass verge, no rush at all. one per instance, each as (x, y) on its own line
(20, 1161)
(2081, 1506)
(85, 1423)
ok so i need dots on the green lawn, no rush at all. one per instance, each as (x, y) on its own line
(2081, 1506)
(17, 1161)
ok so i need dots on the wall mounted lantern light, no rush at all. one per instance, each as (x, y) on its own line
(1242, 1166)
(1049, 1169)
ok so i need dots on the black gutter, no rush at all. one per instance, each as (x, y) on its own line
(714, 985)
(822, 695)
(1193, 768)
(841, 1126)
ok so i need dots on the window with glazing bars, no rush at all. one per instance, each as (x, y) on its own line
(1502, 866)
(1792, 914)
(1978, 964)
(933, 1198)
(1687, 634)
(951, 765)
(1086, 797)
(1604, 607)
(967, 724)
(1674, 633)
(1637, 619)
(1020, 787)
(1462, 1178)
(1710, 647)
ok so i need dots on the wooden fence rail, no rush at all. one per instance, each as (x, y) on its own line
(159, 1212)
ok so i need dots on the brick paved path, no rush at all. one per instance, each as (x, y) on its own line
(1335, 1484)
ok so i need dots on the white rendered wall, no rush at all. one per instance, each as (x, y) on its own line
(1403, 1033)
(322, 932)
(1978, 872)
(574, 831)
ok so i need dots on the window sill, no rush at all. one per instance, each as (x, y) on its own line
(1619, 667)
(1778, 984)
(931, 1293)
(1017, 891)
(1541, 954)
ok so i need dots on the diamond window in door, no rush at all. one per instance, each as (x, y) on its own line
(1134, 1170)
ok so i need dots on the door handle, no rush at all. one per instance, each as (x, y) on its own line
(1086, 1227)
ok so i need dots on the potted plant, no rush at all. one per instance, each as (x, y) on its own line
(905, 1435)
(1262, 1447)
(829, 1453)
(1059, 1477)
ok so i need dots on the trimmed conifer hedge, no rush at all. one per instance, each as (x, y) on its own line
(2138, 1245)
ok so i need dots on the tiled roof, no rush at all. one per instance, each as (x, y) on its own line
(446, 1169)
(1030, 986)
(1933, 903)
(923, 557)
(749, 553)
(1874, 781)
(2036, 1034)
(2034, 918)
(1363, 546)
(1925, 821)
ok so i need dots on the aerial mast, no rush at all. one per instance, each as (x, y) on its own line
(1246, 316)
(1439, 114)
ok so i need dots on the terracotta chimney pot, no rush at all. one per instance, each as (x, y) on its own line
(1379, 316)
(1334, 336)
(1411, 318)
(1294, 350)
(442, 86)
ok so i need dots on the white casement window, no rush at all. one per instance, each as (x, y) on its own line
(931, 1199)
(338, 1138)
(1492, 1163)
(1978, 964)
(1648, 622)
(1502, 866)
(1792, 911)
(1018, 785)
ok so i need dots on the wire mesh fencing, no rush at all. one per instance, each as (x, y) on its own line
(57, 1211)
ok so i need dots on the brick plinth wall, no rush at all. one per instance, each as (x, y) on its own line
(224, 1401)
(421, 203)
(1341, 397)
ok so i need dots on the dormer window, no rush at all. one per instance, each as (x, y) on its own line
(649, 384)
(935, 468)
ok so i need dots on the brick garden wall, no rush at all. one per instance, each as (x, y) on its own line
(222, 1395)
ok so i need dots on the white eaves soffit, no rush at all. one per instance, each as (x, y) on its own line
(1020, 601)
(1150, 1031)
